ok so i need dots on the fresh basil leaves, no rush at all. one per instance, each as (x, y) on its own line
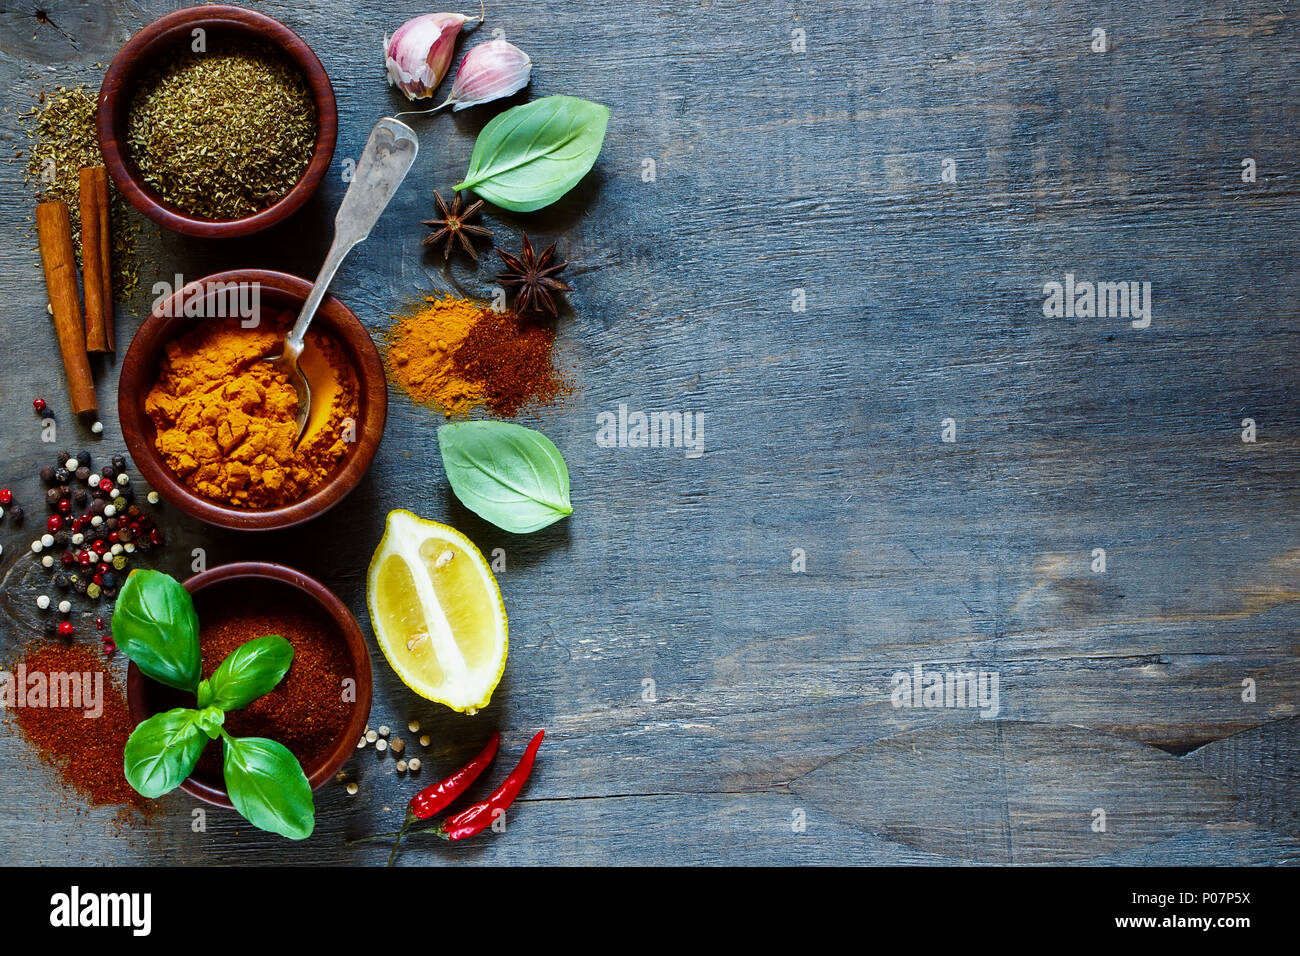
(531, 155)
(156, 626)
(266, 784)
(162, 751)
(507, 474)
(252, 670)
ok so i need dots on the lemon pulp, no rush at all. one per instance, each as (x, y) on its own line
(437, 612)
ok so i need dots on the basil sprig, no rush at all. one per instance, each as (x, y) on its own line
(156, 626)
(507, 474)
(531, 155)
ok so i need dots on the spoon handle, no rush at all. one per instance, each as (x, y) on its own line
(384, 163)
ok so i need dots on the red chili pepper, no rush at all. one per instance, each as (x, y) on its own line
(473, 820)
(439, 796)
(479, 817)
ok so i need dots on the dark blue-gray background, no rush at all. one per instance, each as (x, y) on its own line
(814, 161)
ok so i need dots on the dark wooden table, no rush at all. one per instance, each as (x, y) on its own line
(800, 271)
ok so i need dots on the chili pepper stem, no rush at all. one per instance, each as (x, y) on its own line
(406, 824)
(376, 837)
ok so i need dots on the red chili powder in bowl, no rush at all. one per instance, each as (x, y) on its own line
(307, 710)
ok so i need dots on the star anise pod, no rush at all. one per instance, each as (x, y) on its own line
(454, 225)
(533, 278)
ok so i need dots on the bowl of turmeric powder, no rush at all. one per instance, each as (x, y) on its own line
(210, 424)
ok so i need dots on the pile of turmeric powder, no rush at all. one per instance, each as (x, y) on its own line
(460, 354)
(225, 419)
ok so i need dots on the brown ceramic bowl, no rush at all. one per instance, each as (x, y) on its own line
(145, 50)
(147, 697)
(277, 291)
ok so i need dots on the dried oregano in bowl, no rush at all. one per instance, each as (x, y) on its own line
(222, 133)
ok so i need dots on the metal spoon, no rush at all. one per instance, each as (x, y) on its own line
(384, 163)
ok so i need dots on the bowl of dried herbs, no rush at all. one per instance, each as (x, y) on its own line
(216, 121)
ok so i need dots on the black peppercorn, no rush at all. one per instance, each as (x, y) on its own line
(16, 513)
(79, 585)
(97, 506)
(111, 523)
(124, 536)
(82, 473)
(61, 540)
(61, 475)
(51, 627)
(63, 458)
(107, 580)
(47, 474)
(119, 462)
(61, 581)
(52, 497)
(108, 471)
(83, 459)
(81, 497)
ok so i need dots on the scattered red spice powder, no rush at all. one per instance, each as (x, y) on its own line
(87, 752)
(512, 356)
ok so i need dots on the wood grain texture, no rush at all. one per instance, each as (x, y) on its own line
(821, 171)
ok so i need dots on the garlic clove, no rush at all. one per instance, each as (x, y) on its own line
(419, 52)
(490, 71)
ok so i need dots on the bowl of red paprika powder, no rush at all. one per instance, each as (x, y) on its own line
(319, 710)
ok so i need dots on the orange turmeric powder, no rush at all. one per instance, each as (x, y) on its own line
(225, 419)
(459, 354)
(420, 347)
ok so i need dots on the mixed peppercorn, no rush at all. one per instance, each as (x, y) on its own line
(93, 529)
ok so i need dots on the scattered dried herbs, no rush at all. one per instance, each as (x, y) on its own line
(225, 133)
(62, 129)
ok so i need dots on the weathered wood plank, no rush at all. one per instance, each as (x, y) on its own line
(819, 171)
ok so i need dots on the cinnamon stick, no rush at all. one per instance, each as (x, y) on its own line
(54, 228)
(96, 259)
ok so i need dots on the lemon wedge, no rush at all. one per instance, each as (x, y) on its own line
(437, 612)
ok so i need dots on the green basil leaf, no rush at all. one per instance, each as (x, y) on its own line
(266, 784)
(210, 720)
(531, 155)
(155, 625)
(505, 473)
(162, 752)
(251, 670)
